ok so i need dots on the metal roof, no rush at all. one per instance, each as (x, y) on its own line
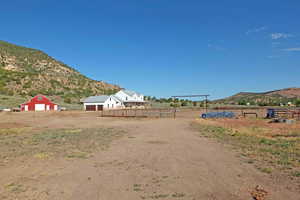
(131, 93)
(96, 99)
(117, 98)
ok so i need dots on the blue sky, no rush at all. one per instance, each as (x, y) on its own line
(166, 47)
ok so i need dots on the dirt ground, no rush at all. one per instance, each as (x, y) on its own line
(154, 159)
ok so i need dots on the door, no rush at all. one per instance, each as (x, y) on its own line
(39, 107)
(100, 107)
(90, 107)
(55, 107)
(48, 107)
(26, 107)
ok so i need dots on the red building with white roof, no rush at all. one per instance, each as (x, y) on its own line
(39, 103)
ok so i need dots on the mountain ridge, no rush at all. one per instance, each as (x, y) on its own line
(27, 72)
(273, 97)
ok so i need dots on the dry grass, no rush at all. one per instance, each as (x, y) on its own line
(48, 143)
(269, 146)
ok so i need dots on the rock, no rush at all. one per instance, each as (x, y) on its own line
(259, 193)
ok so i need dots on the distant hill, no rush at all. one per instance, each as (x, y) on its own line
(27, 72)
(274, 97)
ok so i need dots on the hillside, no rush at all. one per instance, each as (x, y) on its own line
(274, 97)
(27, 72)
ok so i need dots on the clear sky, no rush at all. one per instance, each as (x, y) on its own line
(165, 47)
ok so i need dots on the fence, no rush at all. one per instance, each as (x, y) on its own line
(284, 113)
(153, 113)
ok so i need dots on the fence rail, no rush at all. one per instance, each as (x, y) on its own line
(154, 113)
(287, 113)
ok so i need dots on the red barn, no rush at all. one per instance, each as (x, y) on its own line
(39, 103)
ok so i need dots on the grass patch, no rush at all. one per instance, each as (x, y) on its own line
(42, 156)
(14, 188)
(266, 170)
(12, 131)
(296, 174)
(178, 195)
(77, 155)
(137, 187)
(277, 152)
(159, 196)
(43, 144)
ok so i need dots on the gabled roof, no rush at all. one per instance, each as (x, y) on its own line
(117, 98)
(131, 93)
(37, 96)
(96, 99)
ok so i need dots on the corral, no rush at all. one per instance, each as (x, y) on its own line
(81, 155)
(146, 113)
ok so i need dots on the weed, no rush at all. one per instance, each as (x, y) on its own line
(250, 161)
(137, 187)
(159, 196)
(15, 188)
(42, 156)
(266, 170)
(178, 195)
(296, 174)
(77, 155)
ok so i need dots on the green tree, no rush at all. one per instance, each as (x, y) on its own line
(297, 102)
(242, 102)
(184, 103)
(175, 105)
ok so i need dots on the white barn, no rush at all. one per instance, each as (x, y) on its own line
(98, 103)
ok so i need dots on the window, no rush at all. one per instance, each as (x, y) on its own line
(40, 98)
(126, 98)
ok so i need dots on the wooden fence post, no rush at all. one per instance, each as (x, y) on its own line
(174, 113)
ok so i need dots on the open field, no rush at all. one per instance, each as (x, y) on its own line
(79, 155)
(274, 147)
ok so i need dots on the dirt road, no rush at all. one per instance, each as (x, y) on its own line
(158, 159)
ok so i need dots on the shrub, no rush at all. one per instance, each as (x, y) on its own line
(184, 103)
(68, 100)
(242, 102)
(297, 102)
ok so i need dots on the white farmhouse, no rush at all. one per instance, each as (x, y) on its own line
(122, 99)
(131, 99)
(98, 103)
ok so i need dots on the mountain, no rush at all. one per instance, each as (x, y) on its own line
(274, 97)
(27, 72)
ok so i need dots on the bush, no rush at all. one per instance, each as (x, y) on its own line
(262, 104)
(184, 103)
(297, 102)
(242, 102)
(33, 93)
(174, 105)
(68, 100)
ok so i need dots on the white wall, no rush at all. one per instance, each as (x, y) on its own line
(110, 103)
